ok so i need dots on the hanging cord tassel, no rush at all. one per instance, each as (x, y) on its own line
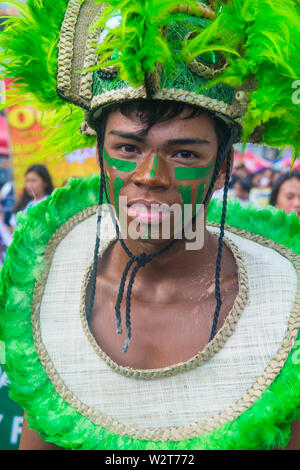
(121, 293)
(220, 251)
(141, 260)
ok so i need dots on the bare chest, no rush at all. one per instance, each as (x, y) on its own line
(164, 331)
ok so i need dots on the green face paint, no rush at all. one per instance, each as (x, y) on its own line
(118, 185)
(199, 198)
(120, 165)
(186, 194)
(192, 173)
(107, 184)
(154, 167)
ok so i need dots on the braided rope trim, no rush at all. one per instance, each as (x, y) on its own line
(201, 10)
(205, 71)
(193, 429)
(86, 83)
(171, 94)
(65, 46)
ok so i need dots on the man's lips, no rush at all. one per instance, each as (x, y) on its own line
(146, 203)
(147, 211)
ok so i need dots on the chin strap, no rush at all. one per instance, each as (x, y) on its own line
(142, 259)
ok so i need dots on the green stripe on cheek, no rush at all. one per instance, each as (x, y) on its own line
(154, 167)
(118, 185)
(107, 184)
(186, 194)
(120, 165)
(192, 173)
(199, 198)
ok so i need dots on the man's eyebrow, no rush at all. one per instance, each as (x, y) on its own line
(126, 135)
(187, 141)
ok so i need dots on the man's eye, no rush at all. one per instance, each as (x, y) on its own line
(185, 154)
(129, 148)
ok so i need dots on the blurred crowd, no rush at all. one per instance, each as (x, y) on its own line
(278, 188)
(38, 186)
(265, 187)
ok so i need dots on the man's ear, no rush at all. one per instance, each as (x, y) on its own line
(220, 181)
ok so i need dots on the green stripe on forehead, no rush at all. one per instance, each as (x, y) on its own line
(120, 165)
(193, 173)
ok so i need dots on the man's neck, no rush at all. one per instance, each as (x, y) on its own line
(177, 259)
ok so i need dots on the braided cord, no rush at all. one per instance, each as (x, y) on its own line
(96, 251)
(220, 251)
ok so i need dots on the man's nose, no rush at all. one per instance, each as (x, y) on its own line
(153, 171)
(296, 204)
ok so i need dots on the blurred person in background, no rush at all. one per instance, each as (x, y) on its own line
(5, 237)
(275, 175)
(261, 188)
(241, 191)
(285, 193)
(7, 200)
(38, 186)
(238, 173)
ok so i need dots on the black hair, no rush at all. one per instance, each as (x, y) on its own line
(244, 183)
(43, 173)
(150, 113)
(279, 182)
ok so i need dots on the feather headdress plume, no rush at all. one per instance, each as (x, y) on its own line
(237, 58)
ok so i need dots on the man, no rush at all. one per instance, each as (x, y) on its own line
(205, 357)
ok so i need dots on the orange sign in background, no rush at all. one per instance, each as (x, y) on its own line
(25, 132)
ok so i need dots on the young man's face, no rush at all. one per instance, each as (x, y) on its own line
(172, 163)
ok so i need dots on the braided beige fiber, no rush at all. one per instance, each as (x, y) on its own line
(205, 71)
(170, 433)
(171, 94)
(65, 47)
(90, 60)
(211, 348)
(85, 129)
(202, 10)
(39, 287)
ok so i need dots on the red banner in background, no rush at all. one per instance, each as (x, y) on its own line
(25, 132)
(4, 147)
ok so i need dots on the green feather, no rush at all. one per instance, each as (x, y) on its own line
(29, 49)
(138, 41)
(267, 35)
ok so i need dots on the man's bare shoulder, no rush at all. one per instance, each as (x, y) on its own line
(30, 440)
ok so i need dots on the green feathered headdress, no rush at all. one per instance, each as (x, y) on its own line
(238, 58)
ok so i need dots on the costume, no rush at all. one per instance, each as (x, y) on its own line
(242, 391)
